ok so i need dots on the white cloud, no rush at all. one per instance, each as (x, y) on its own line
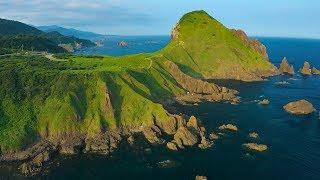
(83, 14)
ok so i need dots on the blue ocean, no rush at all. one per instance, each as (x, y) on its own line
(293, 141)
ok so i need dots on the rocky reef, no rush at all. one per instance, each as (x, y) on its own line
(253, 135)
(264, 102)
(299, 107)
(229, 127)
(285, 67)
(256, 147)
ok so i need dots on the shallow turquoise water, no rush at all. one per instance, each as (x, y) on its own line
(293, 141)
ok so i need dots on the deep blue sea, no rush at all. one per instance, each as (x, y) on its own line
(293, 141)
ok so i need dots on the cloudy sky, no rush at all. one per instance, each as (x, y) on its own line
(284, 18)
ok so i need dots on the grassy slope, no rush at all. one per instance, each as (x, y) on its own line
(53, 98)
(43, 98)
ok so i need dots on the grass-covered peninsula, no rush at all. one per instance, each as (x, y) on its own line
(72, 100)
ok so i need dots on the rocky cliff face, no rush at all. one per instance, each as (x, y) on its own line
(199, 90)
(251, 43)
(285, 67)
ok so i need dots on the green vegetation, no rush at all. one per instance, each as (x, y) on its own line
(65, 96)
(11, 28)
(205, 46)
(29, 43)
(16, 36)
(42, 98)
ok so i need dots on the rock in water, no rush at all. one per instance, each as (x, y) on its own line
(213, 136)
(205, 143)
(299, 107)
(253, 135)
(172, 146)
(285, 67)
(230, 127)
(256, 147)
(36, 165)
(123, 44)
(315, 71)
(201, 178)
(305, 70)
(264, 102)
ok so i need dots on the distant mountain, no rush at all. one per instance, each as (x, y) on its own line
(9, 27)
(17, 36)
(72, 32)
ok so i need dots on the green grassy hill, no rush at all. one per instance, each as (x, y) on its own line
(85, 96)
(203, 45)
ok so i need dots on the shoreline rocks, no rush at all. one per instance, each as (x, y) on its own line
(213, 136)
(300, 107)
(172, 146)
(285, 67)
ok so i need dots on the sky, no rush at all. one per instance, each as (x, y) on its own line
(277, 18)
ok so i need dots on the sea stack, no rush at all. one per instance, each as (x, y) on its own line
(305, 70)
(285, 67)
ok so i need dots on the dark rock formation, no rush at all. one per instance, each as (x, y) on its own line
(285, 67)
(36, 165)
(305, 70)
(30, 152)
(299, 107)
